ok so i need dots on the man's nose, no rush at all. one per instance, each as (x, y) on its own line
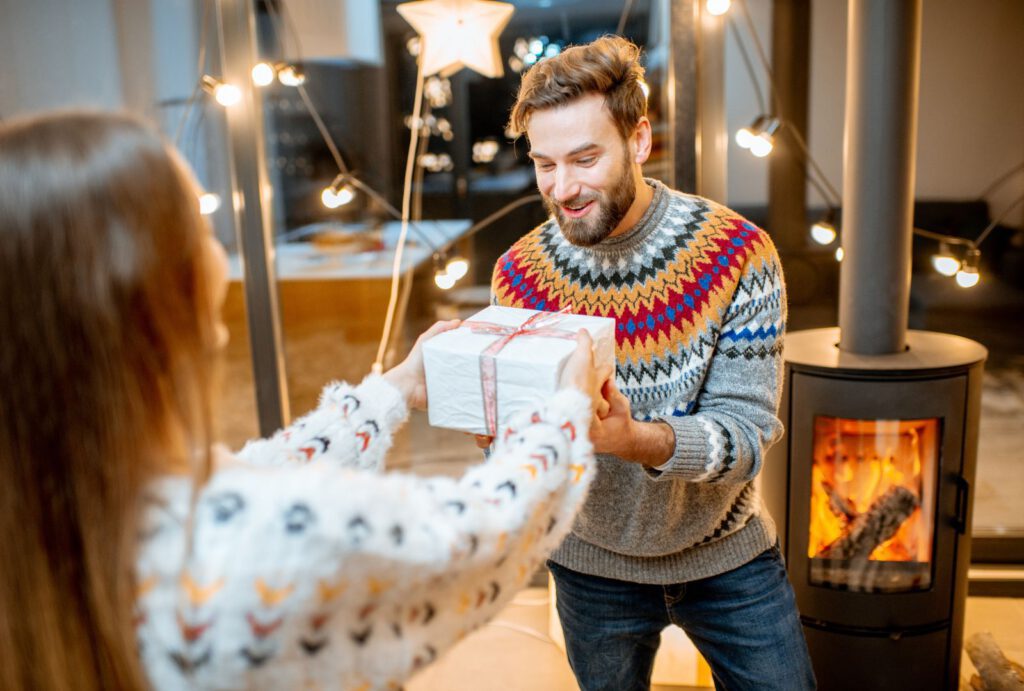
(566, 187)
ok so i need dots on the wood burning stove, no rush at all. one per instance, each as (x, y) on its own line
(871, 490)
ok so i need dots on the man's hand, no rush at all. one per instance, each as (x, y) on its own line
(407, 376)
(617, 433)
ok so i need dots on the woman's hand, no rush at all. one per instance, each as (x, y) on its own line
(407, 376)
(581, 373)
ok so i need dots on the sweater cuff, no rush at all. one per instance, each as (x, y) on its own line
(692, 451)
(378, 395)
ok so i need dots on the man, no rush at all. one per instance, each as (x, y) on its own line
(674, 530)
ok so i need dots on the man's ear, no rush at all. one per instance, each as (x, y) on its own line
(643, 140)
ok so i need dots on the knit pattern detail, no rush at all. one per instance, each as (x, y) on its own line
(699, 302)
(303, 566)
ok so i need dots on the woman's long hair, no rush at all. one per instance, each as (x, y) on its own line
(107, 335)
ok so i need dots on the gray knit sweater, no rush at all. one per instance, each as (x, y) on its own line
(698, 297)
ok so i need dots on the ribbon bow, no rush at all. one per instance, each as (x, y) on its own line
(541, 324)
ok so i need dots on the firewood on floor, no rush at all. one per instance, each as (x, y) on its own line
(996, 672)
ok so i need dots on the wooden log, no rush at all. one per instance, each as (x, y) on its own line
(840, 506)
(873, 527)
(997, 672)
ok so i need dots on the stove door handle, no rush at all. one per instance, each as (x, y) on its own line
(963, 491)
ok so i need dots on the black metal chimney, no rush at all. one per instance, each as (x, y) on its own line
(882, 66)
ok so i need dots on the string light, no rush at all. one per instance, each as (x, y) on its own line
(262, 74)
(824, 230)
(291, 75)
(718, 7)
(840, 254)
(944, 261)
(457, 267)
(759, 138)
(208, 203)
(225, 94)
(968, 276)
(338, 193)
(444, 281)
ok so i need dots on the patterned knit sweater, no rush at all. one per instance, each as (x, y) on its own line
(699, 302)
(308, 569)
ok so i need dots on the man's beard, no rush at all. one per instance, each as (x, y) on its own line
(600, 222)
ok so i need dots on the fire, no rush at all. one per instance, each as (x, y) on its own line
(856, 463)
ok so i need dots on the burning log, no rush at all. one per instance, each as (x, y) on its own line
(873, 527)
(996, 671)
(840, 506)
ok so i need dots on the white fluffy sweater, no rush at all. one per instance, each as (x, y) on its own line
(308, 568)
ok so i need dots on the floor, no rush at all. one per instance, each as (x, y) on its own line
(514, 652)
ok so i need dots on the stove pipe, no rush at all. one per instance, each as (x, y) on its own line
(882, 65)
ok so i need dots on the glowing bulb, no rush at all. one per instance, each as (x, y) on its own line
(967, 277)
(823, 232)
(443, 280)
(744, 137)
(262, 74)
(456, 268)
(333, 198)
(290, 75)
(717, 7)
(946, 264)
(761, 145)
(227, 94)
(840, 254)
(208, 203)
(537, 46)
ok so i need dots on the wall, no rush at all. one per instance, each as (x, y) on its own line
(971, 117)
(58, 55)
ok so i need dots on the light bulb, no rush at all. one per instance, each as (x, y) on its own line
(744, 137)
(227, 94)
(456, 267)
(945, 264)
(967, 277)
(333, 198)
(717, 7)
(290, 75)
(761, 145)
(262, 73)
(840, 254)
(208, 203)
(443, 280)
(823, 232)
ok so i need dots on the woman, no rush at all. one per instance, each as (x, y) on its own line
(137, 553)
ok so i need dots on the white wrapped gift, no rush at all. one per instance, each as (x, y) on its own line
(531, 351)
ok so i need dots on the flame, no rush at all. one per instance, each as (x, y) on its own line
(855, 462)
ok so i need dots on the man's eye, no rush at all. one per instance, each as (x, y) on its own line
(588, 161)
(545, 166)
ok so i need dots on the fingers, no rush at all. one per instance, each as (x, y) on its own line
(439, 327)
(602, 408)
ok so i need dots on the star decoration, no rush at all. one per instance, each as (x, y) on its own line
(458, 33)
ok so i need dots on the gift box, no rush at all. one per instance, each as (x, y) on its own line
(502, 359)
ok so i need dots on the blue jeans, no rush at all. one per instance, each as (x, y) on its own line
(744, 622)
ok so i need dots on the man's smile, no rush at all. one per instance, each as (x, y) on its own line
(576, 210)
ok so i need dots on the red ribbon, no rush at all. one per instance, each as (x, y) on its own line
(540, 324)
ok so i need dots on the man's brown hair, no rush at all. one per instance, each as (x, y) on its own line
(609, 66)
